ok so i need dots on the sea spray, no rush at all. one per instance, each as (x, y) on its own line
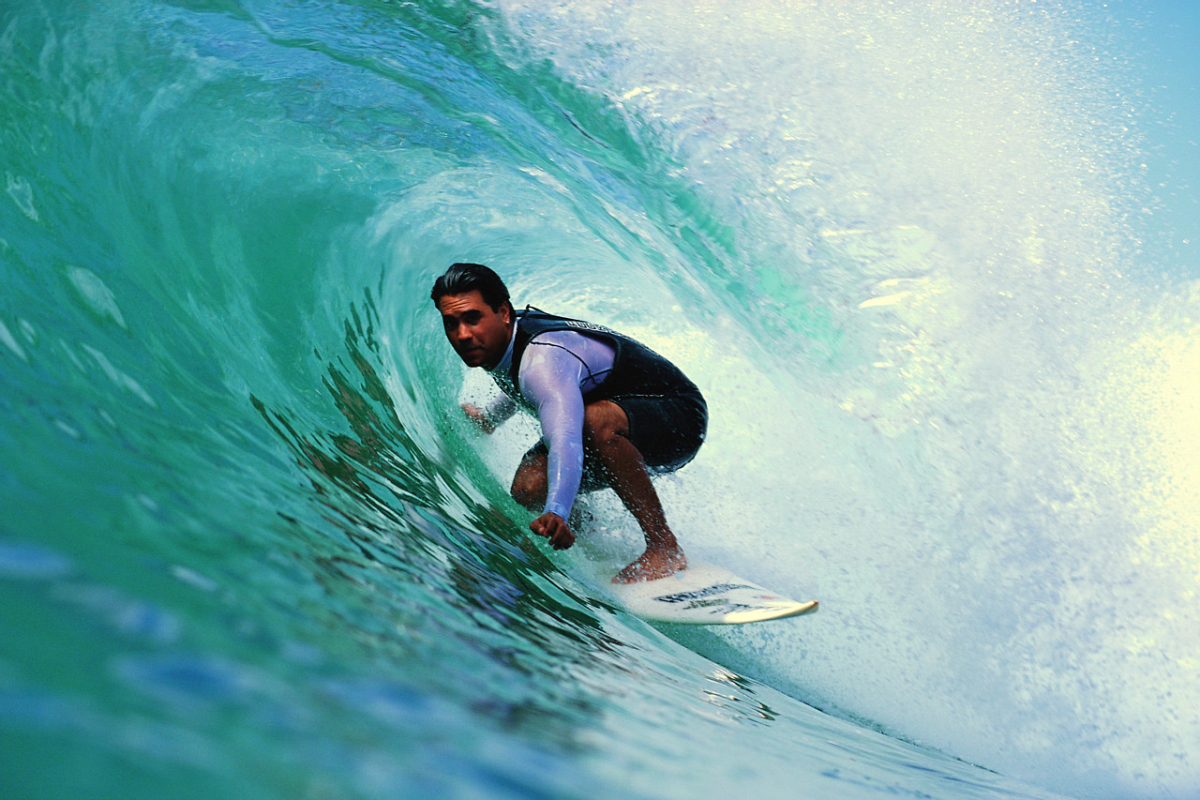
(960, 436)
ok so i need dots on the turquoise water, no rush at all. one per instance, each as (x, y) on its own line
(916, 259)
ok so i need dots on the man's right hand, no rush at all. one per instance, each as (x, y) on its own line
(553, 527)
(477, 416)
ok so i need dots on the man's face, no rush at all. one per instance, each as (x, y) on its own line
(476, 332)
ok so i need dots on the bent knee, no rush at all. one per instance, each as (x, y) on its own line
(529, 490)
(604, 423)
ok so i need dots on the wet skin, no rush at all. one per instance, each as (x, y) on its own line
(477, 332)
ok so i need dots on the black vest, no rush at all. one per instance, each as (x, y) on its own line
(637, 370)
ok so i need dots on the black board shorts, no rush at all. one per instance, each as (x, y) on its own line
(666, 429)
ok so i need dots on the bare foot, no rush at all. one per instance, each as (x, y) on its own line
(653, 564)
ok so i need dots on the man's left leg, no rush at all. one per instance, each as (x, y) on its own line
(606, 435)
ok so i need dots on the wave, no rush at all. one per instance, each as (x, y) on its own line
(898, 249)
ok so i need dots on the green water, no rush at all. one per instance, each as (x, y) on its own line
(248, 548)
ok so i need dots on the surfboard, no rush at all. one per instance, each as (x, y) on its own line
(705, 594)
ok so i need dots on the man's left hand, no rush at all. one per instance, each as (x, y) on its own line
(553, 527)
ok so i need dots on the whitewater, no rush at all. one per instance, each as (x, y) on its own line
(914, 256)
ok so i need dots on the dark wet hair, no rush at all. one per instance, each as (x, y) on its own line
(463, 278)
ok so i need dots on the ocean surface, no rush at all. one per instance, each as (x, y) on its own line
(934, 266)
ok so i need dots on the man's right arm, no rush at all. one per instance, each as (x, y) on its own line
(493, 415)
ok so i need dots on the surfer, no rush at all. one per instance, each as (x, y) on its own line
(611, 410)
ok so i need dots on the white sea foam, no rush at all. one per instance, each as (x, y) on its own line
(976, 445)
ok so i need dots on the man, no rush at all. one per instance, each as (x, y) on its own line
(611, 410)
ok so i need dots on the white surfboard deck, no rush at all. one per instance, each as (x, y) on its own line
(705, 594)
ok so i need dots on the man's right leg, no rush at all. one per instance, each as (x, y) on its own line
(530, 485)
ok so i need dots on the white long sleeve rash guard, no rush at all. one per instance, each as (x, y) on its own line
(557, 369)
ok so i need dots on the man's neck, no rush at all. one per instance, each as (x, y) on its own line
(505, 362)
